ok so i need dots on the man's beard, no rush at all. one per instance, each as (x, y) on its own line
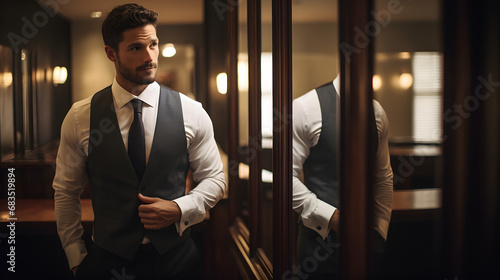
(133, 76)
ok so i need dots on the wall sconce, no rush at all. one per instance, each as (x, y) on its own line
(222, 83)
(6, 79)
(59, 75)
(376, 82)
(40, 75)
(404, 55)
(242, 73)
(169, 50)
(48, 75)
(406, 80)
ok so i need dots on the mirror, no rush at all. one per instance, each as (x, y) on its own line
(6, 103)
(176, 68)
(407, 82)
(28, 94)
(265, 199)
(244, 169)
(315, 62)
(407, 85)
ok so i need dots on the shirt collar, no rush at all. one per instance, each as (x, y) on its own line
(149, 96)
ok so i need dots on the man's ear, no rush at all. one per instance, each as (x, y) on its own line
(111, 53)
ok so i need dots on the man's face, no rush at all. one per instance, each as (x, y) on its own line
(137, 55)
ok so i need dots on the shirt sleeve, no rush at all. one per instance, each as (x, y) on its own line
(383, 174)
(314, 213)
(69, 182)
(207, 170)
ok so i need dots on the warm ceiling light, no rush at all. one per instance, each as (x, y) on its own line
(222, 83)
(96, 14)
(405, 80)
(169, 50)
(376, 82)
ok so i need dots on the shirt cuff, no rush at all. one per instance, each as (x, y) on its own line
(382, 227)
(190, 214)
(320, 218)
(75, 253)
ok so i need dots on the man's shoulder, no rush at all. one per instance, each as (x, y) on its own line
(306, 104)
(82, 103)
(85, 102)
(189, 103)
(307, 97)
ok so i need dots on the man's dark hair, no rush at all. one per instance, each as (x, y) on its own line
(125, 17)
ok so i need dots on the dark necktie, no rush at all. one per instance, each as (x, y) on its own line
(136, 142)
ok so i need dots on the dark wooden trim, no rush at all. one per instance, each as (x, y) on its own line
(233, 117)
(248, 267)
(356, 99)
(282, 136)
(254, 120)
(263, 264)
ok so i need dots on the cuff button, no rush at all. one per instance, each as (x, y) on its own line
(186, 223)
(318, 228)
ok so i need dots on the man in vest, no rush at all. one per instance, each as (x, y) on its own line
(134, 142)
(316, 130)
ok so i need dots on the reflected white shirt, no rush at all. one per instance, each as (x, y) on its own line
(315, 213)
(71, 176)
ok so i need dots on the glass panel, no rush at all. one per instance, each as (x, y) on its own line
(315, 62)
(265, 200)
(315, 44)
(27, 99)
(266, 194)
(244, 171)
(408, 85)
(176, 67)
(6, 103)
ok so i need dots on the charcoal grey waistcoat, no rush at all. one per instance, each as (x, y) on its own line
(114, 183)
(321, 167)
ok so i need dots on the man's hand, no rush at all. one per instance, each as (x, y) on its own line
(158, 213)
(334, 223)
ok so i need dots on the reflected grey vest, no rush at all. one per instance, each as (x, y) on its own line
(321, 167)
(114, 183)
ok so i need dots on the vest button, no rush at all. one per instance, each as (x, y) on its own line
(318, 228)
(186, 223)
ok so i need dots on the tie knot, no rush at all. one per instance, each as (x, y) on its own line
(137, 104)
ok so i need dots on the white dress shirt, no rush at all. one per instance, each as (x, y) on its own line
(316, 214)
(71, 175)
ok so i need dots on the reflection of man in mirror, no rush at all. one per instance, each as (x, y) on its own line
(135, 142)
(316, 129)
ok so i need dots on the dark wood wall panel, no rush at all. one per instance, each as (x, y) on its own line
(471, 197)
(282, 137)
(254, 120)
